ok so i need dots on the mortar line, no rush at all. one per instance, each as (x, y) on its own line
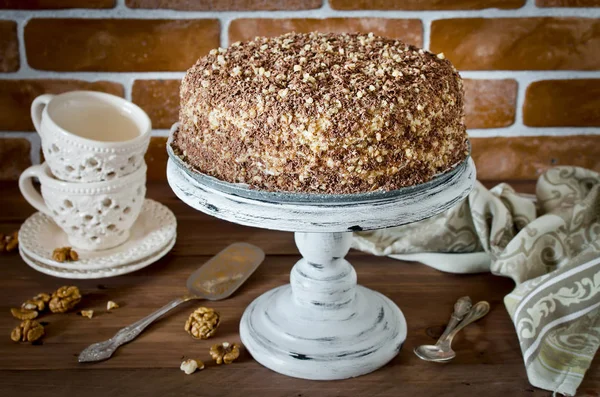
(426, 29)
(224, 25)
(123, 12)
(28, 73)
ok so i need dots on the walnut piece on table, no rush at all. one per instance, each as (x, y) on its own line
(9, 243)
(23, 314)
(87, 313)
(38, 302)
(65, 254)
(190, 366)
(111, 305)
(64, 299)
(225, 352)
(202, 323)
(27, 331)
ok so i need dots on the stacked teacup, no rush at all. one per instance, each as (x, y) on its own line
(93, 181)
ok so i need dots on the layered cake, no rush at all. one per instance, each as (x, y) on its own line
(322, 113)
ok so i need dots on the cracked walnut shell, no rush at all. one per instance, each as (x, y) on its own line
(23, 314)
(202, 323)
(225, 352)
(27, 331)
(64, 299)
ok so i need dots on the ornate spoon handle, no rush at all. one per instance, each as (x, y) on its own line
(103, 350)
(479, 310)
(461, 308)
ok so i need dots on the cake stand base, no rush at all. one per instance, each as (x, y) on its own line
(323, 326)
(322, 345)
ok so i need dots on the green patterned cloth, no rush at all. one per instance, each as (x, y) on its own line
(551, 250)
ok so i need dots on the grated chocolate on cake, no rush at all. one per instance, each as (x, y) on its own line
(326, 113)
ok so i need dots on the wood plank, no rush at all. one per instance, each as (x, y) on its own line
(410, 285)
(488, 361)
(408, 377)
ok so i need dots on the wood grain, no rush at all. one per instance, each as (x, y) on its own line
(488, 357)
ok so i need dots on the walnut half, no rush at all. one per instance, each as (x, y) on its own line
(225, 352)
(64, 299)
(65, 254)
(202, 323)
(23, 314)
(27, 331)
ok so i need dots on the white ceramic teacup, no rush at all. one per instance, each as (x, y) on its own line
(91, 136)
(95, 215)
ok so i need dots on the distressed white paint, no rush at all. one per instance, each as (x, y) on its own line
(323, 325)
(321, 216)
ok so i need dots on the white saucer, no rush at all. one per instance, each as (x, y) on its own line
(152, 236)
(95, 273)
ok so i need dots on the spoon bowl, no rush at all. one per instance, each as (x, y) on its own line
(442, 350)
(434, 353)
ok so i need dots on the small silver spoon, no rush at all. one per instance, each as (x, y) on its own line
(461, 308)
(215, 280)
(442, 350)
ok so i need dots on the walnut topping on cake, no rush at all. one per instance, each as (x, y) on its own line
(326, 113)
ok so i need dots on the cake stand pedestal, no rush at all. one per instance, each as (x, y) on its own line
(322, 325)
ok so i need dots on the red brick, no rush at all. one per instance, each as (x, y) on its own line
(9, 47)
(156, 159)
(408, 30)
(158, 98)
(525, 158)
(118, 45)
(490, 103)
(16, 97)
(423, 4)
(567, 3)
(54, 4)
(574, 103)
(226, 5)
(14, 157)
(519, 43)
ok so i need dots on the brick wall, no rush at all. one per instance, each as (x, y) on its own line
(531, 66)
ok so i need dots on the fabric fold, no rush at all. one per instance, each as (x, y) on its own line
(550, 247)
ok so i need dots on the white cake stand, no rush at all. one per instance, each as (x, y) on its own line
(322, 325)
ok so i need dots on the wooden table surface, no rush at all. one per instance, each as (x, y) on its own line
(488, 356)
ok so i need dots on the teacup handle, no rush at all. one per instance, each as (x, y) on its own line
(37, 107)
(32, 196)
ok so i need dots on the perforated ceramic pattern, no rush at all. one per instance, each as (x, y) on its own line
(99, 220)
(154, 228)
(76, 162)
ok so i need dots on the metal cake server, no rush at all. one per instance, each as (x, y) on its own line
(442, 350)
(217, 279)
